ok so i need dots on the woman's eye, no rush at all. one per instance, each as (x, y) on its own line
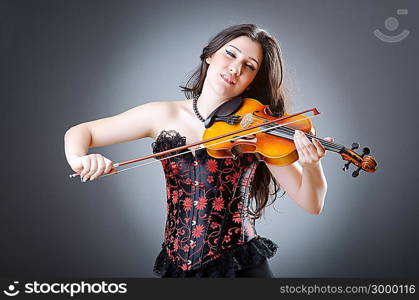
(230, 53)
(234, 56)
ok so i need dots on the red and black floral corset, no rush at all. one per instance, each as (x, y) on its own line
(207, 213)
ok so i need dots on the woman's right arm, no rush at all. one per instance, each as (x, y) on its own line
(136, 123)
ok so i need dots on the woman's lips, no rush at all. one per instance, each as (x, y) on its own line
(225, 78)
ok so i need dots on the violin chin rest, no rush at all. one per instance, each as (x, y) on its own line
(224, 110)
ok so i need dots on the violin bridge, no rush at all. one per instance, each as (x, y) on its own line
(246, 121)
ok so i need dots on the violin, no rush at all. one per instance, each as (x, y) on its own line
(244, 125)
(253, 129)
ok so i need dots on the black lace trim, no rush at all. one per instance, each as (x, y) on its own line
(242, 257)
(168, 139)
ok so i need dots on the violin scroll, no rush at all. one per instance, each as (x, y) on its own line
(364, 161)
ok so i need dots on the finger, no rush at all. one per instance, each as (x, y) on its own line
(307, 146)
(309, 149)
(109, 165)
(302, 153)
(319, 147)
(76, 165)
(100, 167)
(329, 139)
(296, 143)
(86, 167)
(93, 166)
(113, 171)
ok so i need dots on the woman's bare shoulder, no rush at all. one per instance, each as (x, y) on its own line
(168, 107)
(165, 113)
(165, 109)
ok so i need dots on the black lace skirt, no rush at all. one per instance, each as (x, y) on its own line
(250, 256)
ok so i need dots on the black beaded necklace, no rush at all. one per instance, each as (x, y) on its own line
(195, 109)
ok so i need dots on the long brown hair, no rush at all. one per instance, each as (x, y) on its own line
(267, 88)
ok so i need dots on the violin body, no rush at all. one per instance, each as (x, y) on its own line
(276, 151)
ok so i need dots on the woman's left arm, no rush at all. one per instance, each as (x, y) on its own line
(304, 181)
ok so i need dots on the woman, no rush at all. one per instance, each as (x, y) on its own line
(210, 209)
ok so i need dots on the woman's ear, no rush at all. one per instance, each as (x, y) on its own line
(208, 60)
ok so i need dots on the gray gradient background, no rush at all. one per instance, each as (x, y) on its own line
(67, 62)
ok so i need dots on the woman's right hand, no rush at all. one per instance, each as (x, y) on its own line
(91, 166)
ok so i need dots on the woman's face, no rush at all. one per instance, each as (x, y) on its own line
(234, 66)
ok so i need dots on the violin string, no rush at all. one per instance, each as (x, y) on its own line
(291, 131)
(330, 145)
(324, 142)
(278, 126)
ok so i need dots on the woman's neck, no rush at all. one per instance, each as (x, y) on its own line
(207, 103)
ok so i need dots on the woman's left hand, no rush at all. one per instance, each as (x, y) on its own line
(309, 153)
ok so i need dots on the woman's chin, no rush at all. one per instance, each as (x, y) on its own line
(227, 90)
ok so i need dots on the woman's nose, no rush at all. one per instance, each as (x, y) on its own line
(235, 70)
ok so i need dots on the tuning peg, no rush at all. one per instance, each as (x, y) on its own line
(346, 166)
(356, 172)
(365, 151)
(355, 146)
